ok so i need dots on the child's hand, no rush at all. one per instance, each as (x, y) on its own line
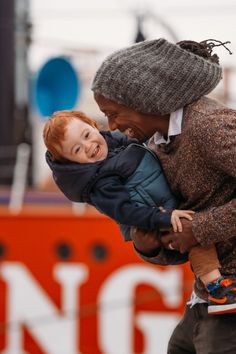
(175, 218)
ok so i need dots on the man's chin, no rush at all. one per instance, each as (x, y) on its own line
(135, 135)
(140, 138)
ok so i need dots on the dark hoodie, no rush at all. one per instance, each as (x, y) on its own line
(103, 183)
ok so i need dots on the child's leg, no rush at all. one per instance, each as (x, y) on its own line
(222, 292)
(205, 263)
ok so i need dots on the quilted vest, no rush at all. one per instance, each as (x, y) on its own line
(148, 186)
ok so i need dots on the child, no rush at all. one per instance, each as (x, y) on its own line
(124, 180)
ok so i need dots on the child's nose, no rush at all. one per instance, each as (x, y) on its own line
(87, 146)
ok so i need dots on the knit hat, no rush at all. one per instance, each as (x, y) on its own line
(155, 77)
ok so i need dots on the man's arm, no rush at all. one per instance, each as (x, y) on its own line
(217, 144)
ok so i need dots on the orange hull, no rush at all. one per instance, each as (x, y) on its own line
(69, 284)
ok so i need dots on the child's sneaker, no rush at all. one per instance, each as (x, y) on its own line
(222, 296)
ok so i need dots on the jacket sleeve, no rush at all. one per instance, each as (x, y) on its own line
(110, 197)
(125, 231)
(217, 143)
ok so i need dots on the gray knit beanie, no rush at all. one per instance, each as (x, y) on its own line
(155, 77)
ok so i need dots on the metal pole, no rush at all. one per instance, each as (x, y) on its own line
(19, 178)
(7, 68)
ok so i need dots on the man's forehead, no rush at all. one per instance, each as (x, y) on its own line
(106, 102)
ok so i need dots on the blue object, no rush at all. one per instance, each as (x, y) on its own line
(57, 87)
(212, 286)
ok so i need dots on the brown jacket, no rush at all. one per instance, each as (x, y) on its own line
(200, 165)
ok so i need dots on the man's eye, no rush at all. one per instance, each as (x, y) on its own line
(77, 150)
(112, 115)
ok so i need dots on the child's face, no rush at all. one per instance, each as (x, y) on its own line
(83, 143)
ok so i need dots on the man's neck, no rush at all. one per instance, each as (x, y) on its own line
(162, 124)
(174, 127)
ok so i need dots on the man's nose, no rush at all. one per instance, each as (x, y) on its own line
(112, 124)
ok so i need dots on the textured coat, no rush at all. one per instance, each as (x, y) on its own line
(200, 165)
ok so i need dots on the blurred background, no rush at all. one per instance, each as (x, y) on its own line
(50, 51)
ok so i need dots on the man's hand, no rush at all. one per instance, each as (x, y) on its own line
(145, 241)
(179, 241)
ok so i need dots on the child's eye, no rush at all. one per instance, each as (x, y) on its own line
(77, 150)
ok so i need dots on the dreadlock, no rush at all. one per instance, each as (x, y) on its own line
(204, 48)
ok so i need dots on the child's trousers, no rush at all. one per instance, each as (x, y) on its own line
(203, 260)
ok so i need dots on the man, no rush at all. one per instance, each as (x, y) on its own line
(157, 89)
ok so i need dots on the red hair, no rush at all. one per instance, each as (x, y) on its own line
(55, 129)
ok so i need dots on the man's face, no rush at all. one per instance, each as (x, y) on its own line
(83, 143)
(134, 124)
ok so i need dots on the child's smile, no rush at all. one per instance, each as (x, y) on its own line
(83, 143)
